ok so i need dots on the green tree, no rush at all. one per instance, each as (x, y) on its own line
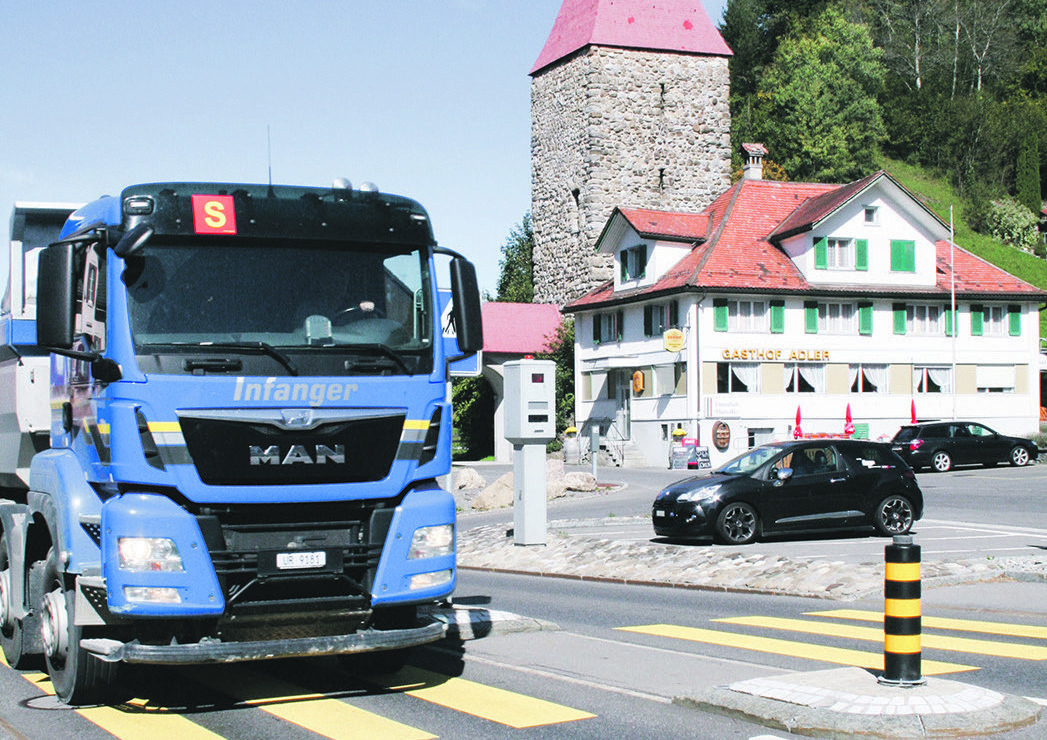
(1027, 176)
(561, 351)
(516, 280)
(817, 109)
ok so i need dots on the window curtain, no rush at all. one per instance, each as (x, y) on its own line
(748, 373)
(814, 375)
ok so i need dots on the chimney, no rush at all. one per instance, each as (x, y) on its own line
(753, 155)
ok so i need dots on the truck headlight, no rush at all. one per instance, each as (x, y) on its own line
(431, 580)
(152, 595)
(432, 542)
(149, 555)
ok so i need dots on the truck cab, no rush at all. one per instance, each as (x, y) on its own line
(247, 417)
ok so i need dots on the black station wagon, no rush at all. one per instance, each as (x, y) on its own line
(942, 444)
(796, 486)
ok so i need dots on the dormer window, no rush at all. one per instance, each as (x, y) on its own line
(872, 215)
(633, 262)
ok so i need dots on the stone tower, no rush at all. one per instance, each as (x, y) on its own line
(629, 107)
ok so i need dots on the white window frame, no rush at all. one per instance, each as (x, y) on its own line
(745, 315)
(995, 321)
(837, 318)
(839, 254)
(938, 376)
(737, 372)
(860, 374)
(925, 319)
(812, 374)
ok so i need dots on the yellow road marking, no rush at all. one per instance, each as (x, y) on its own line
(315, 712)
(946, 623)
(133, 720)
(874, 634)
(494, 704)
(840, 656)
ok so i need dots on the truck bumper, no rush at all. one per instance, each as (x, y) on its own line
(216, 651)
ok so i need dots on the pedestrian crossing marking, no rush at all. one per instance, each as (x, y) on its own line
(789, 648)
(957, 625)
(487, 702)
(133, 720)
(874, 634)
(315, 712)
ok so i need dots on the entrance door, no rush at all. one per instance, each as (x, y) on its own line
(623, 401)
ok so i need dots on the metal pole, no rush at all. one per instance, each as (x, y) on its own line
(594, 444)
(901, 614)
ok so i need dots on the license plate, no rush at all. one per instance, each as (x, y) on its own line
(300, 560)
(659, 512)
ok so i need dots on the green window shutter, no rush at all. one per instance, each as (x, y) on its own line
(810, 311)
(950, 324)
(821, 254)
(1014, 319)
(720, 314)
(641, 261)
(899, 318)
(865, 318)
(648, 321)
(903, 256)
(861, 255)
(596, 329)
(777, 317)
(674, 313)
(620, 322)
(623, 258)
(977, 321)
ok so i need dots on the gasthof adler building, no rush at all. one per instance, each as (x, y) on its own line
(629, 104)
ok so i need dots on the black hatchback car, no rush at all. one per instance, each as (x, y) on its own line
(790, 487)
(942, 444)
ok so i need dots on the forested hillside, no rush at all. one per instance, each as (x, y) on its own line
(949, 95)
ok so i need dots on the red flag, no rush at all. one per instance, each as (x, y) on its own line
(912, 411)
(848, 427)
(797, 432)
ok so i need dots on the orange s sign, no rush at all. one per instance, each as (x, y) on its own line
(214, 214)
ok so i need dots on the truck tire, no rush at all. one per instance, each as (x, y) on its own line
(10, 630)
(78, 676)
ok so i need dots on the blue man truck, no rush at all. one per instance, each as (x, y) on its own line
(223, 414)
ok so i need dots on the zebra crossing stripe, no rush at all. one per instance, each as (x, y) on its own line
(487, 702)
(315, 712)
(872, 634)
(945, 623)
(133, 720)
(789, 648)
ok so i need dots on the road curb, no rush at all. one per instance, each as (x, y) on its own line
(939, 709)
(474, 623)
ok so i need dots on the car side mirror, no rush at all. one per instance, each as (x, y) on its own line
(784, 474)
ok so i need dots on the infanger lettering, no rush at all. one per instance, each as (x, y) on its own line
(315, 394)
(773, 355)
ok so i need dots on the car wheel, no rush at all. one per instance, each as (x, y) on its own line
(737, 524)
(941, 461)
(1019, 456)
(893, 516)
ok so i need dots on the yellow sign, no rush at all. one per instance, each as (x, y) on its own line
(674, 340)
(788, 355)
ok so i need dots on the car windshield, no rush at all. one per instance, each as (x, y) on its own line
(289, 295)
(749, 462)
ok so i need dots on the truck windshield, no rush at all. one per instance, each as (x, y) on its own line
(304, 297)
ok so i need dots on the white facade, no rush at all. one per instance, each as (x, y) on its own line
(872, 330)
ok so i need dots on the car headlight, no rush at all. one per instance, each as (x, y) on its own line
(149, 555)
(699, 494)
(432, 542)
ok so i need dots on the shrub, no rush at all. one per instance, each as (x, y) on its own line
(1010, 221)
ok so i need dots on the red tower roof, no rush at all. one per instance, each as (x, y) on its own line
(654, 25)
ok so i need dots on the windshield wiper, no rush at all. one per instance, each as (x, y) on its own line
(263, 347)
(376, 348)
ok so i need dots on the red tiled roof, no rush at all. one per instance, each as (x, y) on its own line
(659, 25)
(739, 254)
(519, 328)
(666, 225)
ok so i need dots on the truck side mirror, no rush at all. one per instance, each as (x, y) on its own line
(465, 294)
(54, 297)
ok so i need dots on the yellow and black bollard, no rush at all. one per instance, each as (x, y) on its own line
(901, 614)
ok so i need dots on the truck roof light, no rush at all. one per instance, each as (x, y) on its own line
(368, 187)
(139, 205)
(341, 183)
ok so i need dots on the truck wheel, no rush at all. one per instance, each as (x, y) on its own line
(78, 677)
(10, 630)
